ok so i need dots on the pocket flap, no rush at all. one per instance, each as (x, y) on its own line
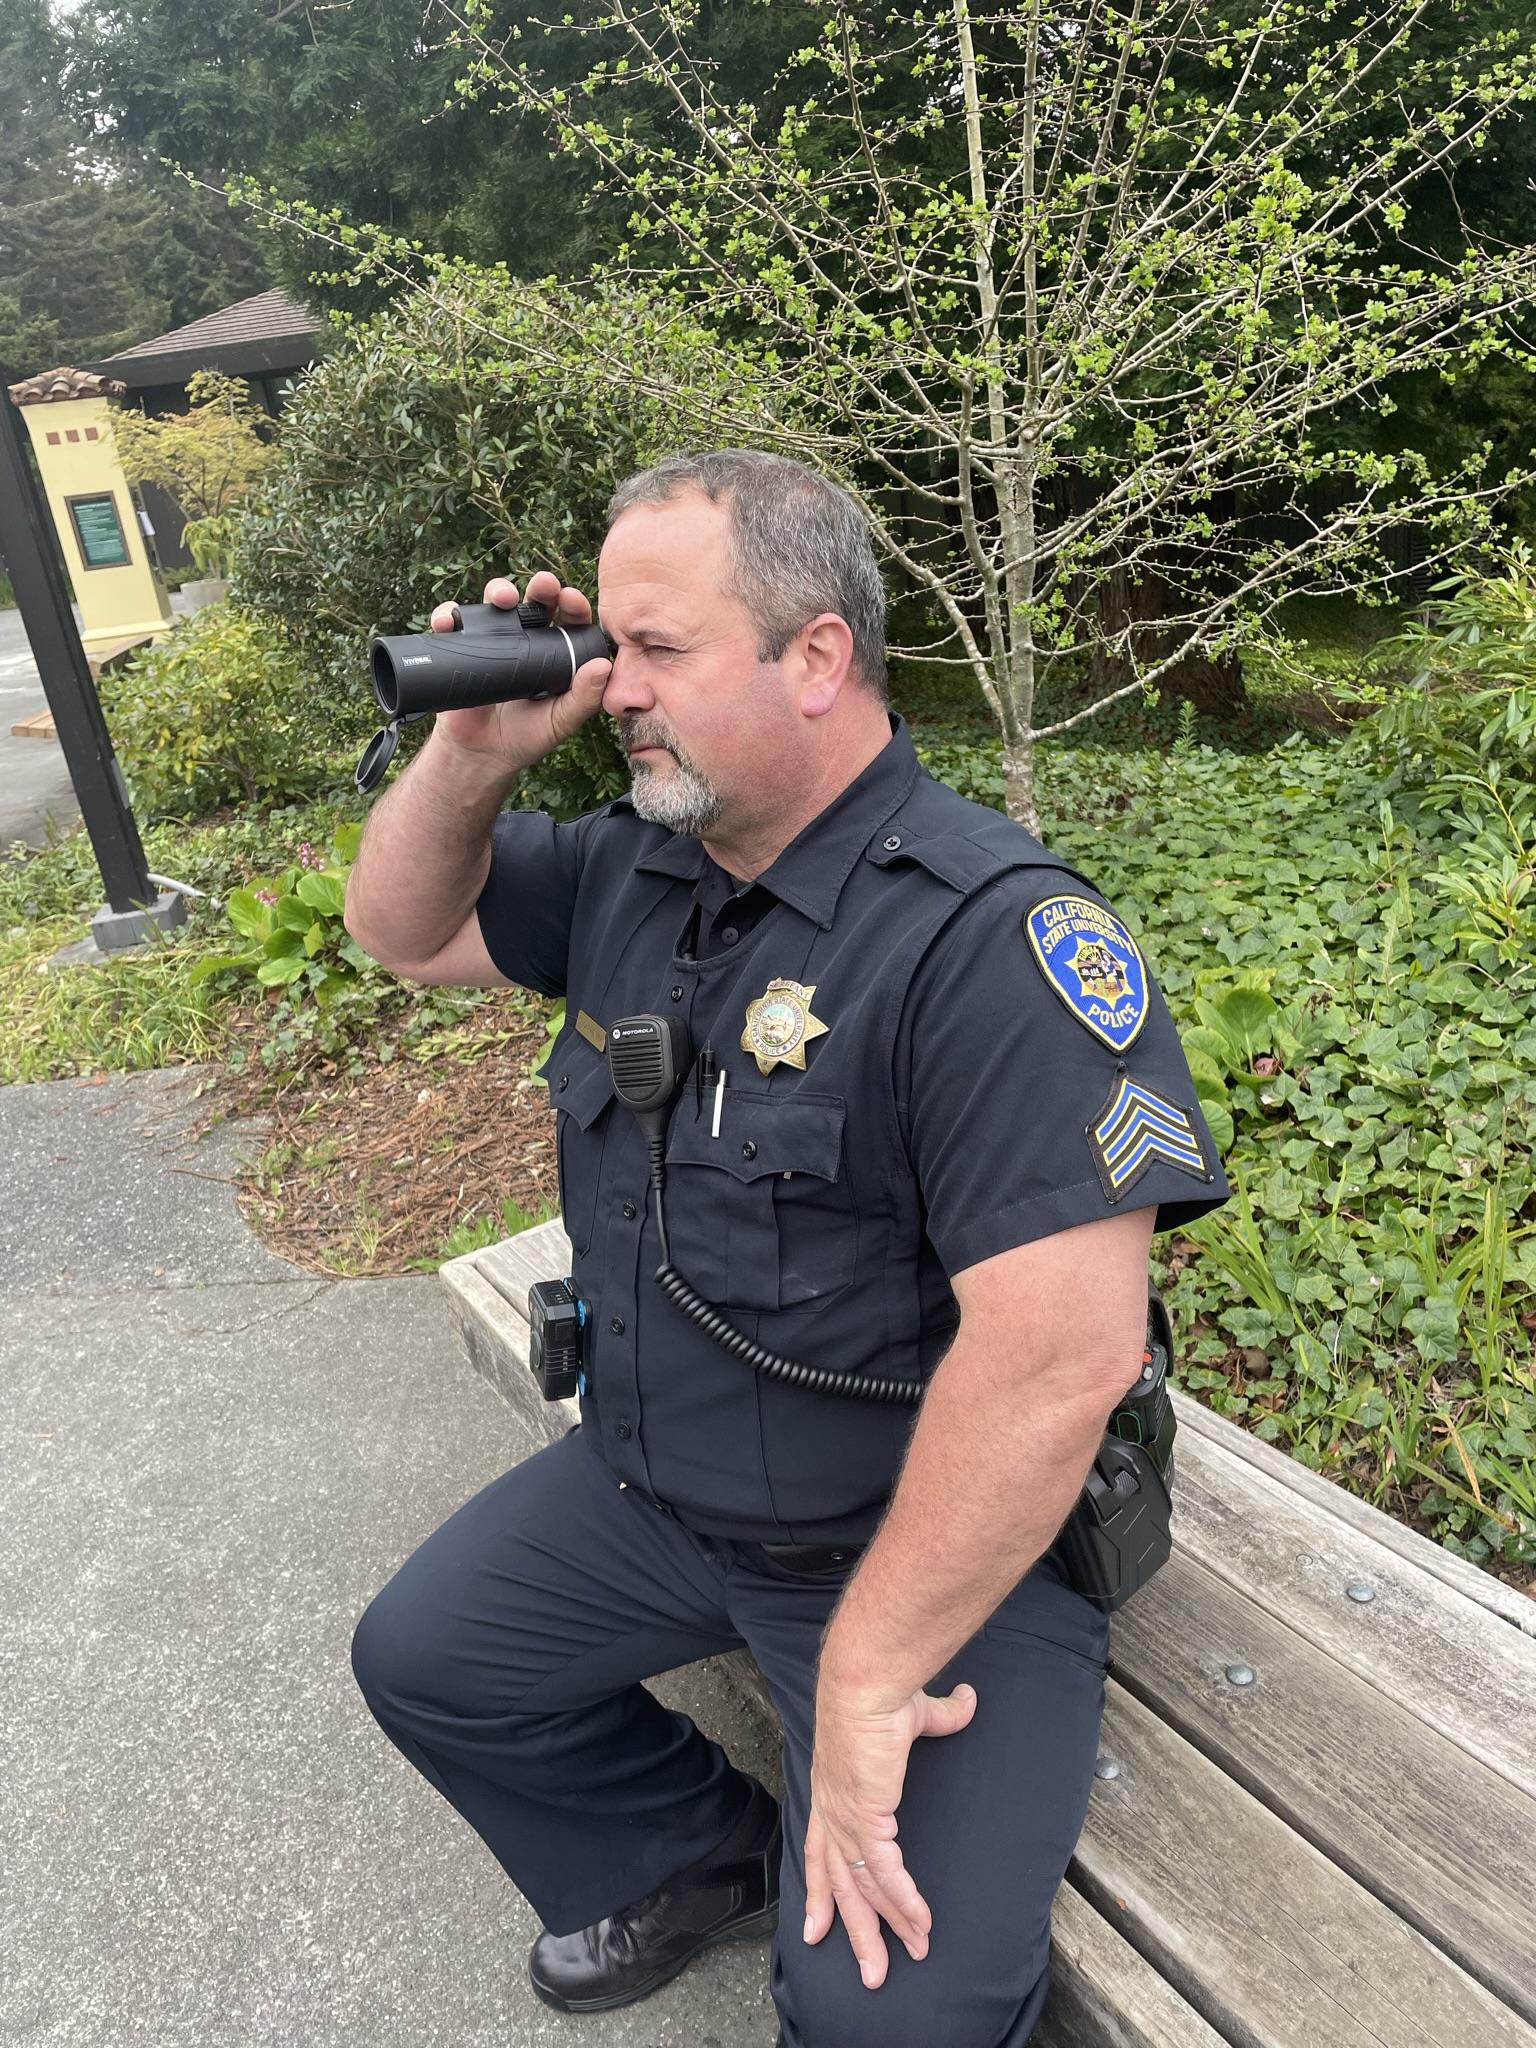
(799, 1135)
(578, 1077)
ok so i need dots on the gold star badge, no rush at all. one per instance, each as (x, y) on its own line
(780, 1025)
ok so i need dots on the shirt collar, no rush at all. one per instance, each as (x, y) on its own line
(809, 874)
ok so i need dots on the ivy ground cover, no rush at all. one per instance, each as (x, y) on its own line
(1352, 970)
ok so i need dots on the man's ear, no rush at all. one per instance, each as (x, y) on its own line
(818, 661)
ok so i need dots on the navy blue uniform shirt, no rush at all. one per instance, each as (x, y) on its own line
(996, 1064)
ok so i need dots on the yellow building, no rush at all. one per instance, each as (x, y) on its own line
(121, 595)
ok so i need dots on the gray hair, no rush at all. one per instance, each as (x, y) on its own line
(797, 546)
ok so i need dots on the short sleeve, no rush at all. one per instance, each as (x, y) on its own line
(529, 898)
(1040, 1077)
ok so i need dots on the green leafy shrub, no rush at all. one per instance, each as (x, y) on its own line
(1366, 1039)
(223, 709)
(1456, 691)
(970, 765)
(293, 922)
(444, 442)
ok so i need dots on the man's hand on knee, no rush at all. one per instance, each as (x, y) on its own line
(858, 1767)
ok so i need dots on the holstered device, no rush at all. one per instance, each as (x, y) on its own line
(1119, 1532)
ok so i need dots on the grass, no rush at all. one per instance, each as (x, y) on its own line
(477, 1232)
(143, 1009)
(140, 1011)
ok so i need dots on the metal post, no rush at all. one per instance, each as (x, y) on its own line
(31, 550)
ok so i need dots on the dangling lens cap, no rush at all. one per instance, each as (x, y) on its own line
(377, 755)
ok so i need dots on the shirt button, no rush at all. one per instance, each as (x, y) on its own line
(617, 1326)
(749, 1150)
(730, 935)
(893, 842)
(631, 1211)
(564, 1082)
(677, 995)
(621, 1429)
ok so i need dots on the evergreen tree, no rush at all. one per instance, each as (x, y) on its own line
(98, 250)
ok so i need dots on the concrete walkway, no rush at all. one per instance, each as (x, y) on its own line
(209, 1462)
(36, 794)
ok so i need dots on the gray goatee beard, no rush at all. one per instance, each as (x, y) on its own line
(681, 798)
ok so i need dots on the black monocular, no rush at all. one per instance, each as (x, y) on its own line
(494, 655)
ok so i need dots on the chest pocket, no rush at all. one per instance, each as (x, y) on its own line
(580, 1090)
(762, 1217)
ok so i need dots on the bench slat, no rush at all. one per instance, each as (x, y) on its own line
(495, 1333)
(1273, 1944)
(1431, 1831)
(543, 1253)
(1103, 1995)
(1517, 1608)
(1459, 1667)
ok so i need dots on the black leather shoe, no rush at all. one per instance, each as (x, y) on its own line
(730, 1895)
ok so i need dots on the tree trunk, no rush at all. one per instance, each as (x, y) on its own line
(1019, 787)
(1211, 686)
(1215, 687)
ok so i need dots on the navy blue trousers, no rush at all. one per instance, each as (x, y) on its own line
(505, 1660)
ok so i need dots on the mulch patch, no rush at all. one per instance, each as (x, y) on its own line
(368, 1174)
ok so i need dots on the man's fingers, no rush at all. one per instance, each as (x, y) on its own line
(567, 605)
(888, 1885)
(949, 1713)
(819, 1913)
(859, 1918)
(592, 675)
(446, 618)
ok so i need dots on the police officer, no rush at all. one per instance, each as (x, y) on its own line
(937, 1108)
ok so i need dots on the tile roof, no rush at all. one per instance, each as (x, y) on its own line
(268, 316)
(50, 387)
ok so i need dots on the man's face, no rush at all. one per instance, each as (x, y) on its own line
(708, 728)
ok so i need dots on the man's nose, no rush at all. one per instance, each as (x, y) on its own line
(627, 689)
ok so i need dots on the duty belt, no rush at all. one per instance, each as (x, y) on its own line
(812, 1557)
(794, 1557)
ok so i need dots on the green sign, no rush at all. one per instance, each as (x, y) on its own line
(99, 531)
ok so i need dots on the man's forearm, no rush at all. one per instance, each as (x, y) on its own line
(425, 854)
(993, 1469)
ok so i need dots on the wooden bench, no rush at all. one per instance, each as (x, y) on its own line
(40, 726)
(1314, 1824)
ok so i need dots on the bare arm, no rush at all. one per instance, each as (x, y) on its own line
(426, 851)
(422, 864)
(1051, 1336)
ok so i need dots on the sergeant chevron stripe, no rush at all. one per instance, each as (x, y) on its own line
(1135, 1129)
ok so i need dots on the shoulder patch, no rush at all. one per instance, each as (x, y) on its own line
(1093, 964)
(1136, 1129)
